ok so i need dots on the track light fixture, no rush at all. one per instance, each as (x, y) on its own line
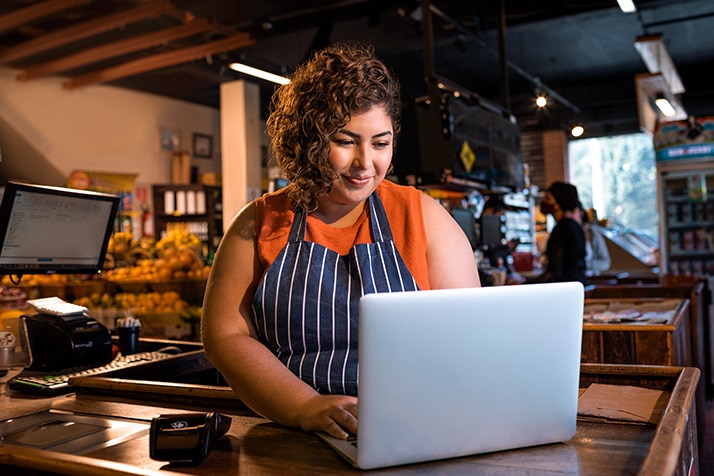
(627, 6)
(577, 130)
(664, 105)
(258, 73)
(541, 100)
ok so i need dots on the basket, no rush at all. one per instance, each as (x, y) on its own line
(166, 325)
(59, 290)
(86, 288)
(190, 290)
(131, 286)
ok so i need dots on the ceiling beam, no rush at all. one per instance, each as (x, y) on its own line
(162, 60)
(115, 49)
(27, 15)
(84, 30)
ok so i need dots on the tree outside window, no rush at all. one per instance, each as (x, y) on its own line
(617, 176)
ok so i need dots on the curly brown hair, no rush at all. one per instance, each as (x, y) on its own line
(338, 81)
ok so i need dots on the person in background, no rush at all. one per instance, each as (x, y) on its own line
(500, 254)
(565, 251)
(597, 256)
(280, 310)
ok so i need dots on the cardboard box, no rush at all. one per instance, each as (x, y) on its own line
(210, 178)
(181, 168)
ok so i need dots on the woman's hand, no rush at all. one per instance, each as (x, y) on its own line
(333, 414)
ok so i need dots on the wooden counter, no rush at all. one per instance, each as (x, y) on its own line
(643, 343)
(255, 445)
(681, 342)
(700, 302)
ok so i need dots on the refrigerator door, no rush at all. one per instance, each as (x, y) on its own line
(686, 222)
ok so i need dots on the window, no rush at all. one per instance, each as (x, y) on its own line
(617, 176)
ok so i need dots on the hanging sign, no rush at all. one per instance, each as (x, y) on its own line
(683, 140)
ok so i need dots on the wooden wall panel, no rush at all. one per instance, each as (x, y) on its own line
(555, 148)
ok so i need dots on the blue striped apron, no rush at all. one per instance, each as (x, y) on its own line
(305, 309)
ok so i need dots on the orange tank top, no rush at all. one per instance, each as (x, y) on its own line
(402, 204)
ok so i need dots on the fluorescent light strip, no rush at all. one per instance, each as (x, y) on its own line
(259, 73)
(627, 6)
(665, 106)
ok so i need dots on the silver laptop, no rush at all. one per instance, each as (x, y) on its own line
(447, 373)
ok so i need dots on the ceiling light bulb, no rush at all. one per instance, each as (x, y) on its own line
(577, 131)
(627, 6)
(541, 101)
(665, 106)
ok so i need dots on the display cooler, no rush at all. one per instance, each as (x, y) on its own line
(685, 191)
(687, 220)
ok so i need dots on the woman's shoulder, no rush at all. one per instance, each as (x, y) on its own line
(277, 200)
(393, 192)
(273, 211)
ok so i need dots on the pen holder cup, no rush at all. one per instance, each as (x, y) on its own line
(128, 340)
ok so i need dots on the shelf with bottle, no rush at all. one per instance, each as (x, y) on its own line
(195, 207)
(520, 218)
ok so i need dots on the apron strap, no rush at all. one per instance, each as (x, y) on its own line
(381, 231)
(297, 229)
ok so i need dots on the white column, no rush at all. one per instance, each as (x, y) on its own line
(241, 135)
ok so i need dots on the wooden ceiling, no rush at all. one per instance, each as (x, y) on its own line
(582, 51)
(92, 42)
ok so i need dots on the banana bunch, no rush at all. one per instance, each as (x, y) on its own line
(178, 238)
(139, 303)
(119, 243)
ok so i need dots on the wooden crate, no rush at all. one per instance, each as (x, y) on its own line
(639, 343)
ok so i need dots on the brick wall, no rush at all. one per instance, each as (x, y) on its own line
(545, 154)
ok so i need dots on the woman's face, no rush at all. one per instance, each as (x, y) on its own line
(549, 206)
(361, 154)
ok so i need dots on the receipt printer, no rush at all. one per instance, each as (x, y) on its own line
(65, 342)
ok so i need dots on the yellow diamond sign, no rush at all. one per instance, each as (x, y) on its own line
(467, 156)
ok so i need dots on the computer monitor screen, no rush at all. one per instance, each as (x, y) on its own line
(467, 221)
(492, 230)
(47, 230)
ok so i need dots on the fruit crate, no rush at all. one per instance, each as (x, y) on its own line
(190, 290)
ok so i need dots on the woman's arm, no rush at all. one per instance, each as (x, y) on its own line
(451, 260)
(231, 343)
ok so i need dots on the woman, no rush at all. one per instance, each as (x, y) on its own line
(565, 251)
(597, 256)
(279, 315)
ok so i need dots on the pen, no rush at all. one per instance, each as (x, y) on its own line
(128, 322)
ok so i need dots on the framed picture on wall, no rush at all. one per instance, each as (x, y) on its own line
(170, 139)
(202, 146)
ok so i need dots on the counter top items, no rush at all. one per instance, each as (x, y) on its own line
(622, 403)
(56, 306)
(256, 446)
(653, 311)
(128, 329)
(186, 438)
(62, 342)
(12, 298)
(15, 354)
(58, 382)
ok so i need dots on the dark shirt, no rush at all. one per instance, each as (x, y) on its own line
(566, 253)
